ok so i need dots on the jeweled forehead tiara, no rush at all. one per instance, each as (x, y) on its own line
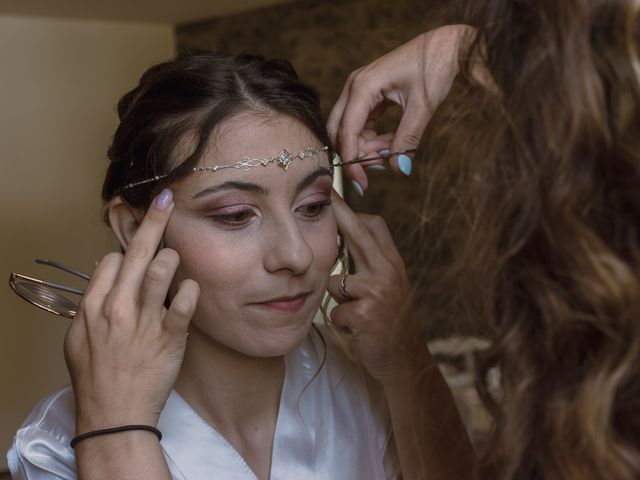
(283, 160)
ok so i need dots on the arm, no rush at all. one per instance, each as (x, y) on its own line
(124, 352)
(430, 437)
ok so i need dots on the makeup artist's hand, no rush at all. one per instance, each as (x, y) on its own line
(416, 76)
(430, 438)
(124, 348)
(378, 315)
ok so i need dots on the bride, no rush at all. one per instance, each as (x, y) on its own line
(194, 354)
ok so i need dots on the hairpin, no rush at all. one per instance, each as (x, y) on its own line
(385, 156)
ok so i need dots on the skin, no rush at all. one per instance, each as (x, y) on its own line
(271, 237)
(417, 77)
(430, 437)
(288, 247)
(275, 240)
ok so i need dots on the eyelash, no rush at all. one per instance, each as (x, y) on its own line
(241, 218)
(321, 207)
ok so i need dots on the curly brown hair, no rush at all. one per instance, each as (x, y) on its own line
(543, 163)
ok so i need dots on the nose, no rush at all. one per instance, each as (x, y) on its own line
(287, 249)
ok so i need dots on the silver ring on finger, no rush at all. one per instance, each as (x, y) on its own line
(343, 287)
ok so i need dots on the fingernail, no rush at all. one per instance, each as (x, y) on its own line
(405, 164)
(377, 166)
(357, 187)
(385, 152)
(163, 200)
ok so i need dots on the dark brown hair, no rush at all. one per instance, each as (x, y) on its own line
(166, 122)
(542, 166)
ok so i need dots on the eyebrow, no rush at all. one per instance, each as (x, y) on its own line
(254, 188)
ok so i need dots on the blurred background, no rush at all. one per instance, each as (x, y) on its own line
(65, 64)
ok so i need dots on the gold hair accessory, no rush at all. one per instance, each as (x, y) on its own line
(283, 160)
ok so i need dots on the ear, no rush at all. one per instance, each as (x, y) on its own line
(124, 220)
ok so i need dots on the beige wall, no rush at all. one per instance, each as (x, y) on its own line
(59, 83)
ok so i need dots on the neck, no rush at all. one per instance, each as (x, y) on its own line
(232, 391)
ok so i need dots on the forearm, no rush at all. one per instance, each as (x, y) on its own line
(431, 439)
(132, 455)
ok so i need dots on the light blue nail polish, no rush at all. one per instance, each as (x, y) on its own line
(385, 152)
(404, 164)
(377, 166)
(163, 200)
(357, 187)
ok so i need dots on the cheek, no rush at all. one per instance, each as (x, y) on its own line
(324, 243)
(216, 261)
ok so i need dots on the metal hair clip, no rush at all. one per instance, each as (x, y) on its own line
(42, 293)
(368, 159)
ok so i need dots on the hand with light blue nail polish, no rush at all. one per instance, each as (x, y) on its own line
(416, 76)
(405, 165)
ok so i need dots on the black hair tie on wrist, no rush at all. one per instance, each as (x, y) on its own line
(106, 431)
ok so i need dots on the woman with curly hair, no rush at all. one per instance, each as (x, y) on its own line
(533, 184)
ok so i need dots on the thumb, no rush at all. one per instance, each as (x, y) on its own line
(182, 308)
(408, 136)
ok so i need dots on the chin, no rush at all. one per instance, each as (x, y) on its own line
(275, 342)
(275, 335)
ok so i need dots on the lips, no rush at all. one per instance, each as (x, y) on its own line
(289, 304)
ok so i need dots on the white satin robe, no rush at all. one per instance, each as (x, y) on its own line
(331, 427)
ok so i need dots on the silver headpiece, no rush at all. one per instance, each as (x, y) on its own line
(283, 160)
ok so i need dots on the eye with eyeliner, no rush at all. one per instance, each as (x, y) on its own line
(234, 213)
(238, 216)
(314, 210)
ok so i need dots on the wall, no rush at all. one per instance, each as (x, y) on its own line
(59, 83)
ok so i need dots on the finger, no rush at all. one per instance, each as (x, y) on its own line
(355, 285)
(335, 290)
(409, 134)
(335, 116)
(349, 316)
(374, 145)
(144, 243)
(380, 231)
(370, 144)
(362, 101)
(93, 300)
(357, 176)
(354, 172)
(183, 306)
(341, 319)
(354, 118)
(360, 243)
(157, 281)
(104, 276)
(100, 285)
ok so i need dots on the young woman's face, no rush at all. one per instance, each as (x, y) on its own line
(260, 243)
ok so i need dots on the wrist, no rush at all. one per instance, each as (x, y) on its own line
(88, 421)
(410, 369)
(117, 455)
(114, 431)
